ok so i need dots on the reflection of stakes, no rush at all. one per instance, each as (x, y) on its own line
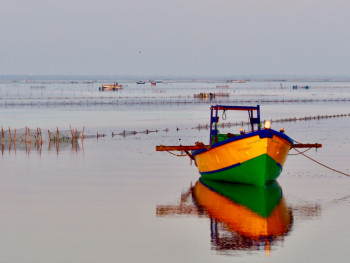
(57, 146)
(30, 144)
(82, 135)
(58, 136)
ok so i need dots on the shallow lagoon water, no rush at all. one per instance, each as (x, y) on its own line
(99, 203)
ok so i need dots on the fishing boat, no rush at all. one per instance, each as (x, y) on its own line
(255, 157)
(140, 82)
(111, 87)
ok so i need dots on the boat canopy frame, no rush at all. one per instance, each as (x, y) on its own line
(214, 118)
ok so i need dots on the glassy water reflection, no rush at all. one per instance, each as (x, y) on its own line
(242, 217)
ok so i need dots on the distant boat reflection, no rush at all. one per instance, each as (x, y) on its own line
(242, 217)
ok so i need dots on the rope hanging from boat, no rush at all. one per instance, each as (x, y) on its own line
(178, 155)
(224, 117)
(334, 170)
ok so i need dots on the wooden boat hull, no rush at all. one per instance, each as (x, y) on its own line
(110, 87)
(253, 211)
(256, 158)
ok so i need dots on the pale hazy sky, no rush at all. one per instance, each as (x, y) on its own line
(168, 37)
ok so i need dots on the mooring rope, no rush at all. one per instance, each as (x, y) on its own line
(330, 168)
(297, 141)
(299, 153)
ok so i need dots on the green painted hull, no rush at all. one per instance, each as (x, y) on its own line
(259, 199)
(261, 170)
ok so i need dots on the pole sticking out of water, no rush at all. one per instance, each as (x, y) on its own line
(10, 134)
(2, 135)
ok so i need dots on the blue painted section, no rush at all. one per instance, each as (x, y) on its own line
(215, 119)
(282, 135)
(279, 165)
(221, 170)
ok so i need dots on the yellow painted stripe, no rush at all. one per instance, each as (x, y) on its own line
(241, 151)
(231, 153)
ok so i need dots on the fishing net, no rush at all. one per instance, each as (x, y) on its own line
(27, 135)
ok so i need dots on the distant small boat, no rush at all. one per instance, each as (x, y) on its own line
(110, 87)
(153, 83)
(236, 81)
(140, 82)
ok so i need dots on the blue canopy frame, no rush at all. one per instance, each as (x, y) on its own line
(214, 118)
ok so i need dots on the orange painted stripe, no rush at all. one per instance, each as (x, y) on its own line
(278, 149)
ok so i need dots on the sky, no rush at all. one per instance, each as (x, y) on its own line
(175, 37)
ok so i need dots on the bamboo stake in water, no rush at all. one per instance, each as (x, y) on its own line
(10, 134)
(37, 136)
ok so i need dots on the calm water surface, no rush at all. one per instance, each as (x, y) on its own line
(115, 199)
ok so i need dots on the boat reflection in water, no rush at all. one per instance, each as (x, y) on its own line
(243, 217)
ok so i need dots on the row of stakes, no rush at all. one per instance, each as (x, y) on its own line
(295, 119)
(229, 124)
(159, 102)
(58, 137)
